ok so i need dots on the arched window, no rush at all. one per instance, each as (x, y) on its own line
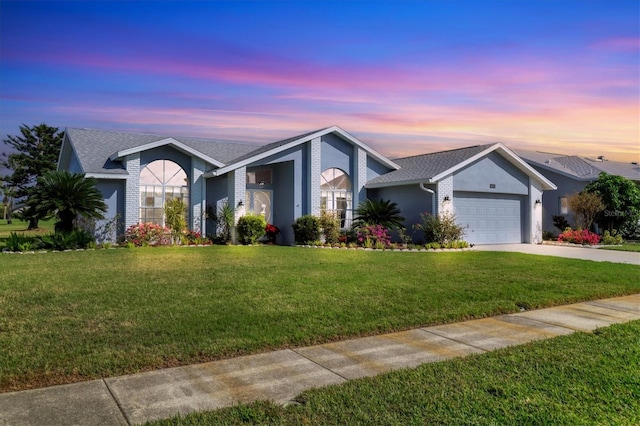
(161, 180)
(336, 195)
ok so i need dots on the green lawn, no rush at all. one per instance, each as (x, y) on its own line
(625, 247)
(75, 316)
(20, 227)
(581, 379)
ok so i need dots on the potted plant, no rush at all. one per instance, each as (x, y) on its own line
(272, 232)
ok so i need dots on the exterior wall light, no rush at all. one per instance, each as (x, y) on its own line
(240, 203)
(446, 198)
(538, 202)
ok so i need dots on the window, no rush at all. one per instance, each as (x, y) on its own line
(336, 195)
(563, 205)
(160, 181)
(260, 177)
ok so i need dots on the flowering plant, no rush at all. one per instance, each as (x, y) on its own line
(272, 232)
(580, 236)
(374, 235)
(195, 237)
(147, 234)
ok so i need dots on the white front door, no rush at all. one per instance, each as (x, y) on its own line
(259, 202)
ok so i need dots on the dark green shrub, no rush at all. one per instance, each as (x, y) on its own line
(306, 229)
(76, 239)
(330, 225)
(250, 228)
(20, 242)
(379, 212)
(560, 222)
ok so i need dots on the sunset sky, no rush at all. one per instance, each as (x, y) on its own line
(405, 77)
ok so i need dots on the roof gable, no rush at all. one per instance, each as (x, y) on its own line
(285, 144)
(430, 168)
(99, 152)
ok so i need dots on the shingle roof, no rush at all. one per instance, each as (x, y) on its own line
(273, 145)
(426, 166)
(578, 167)
(94, 147)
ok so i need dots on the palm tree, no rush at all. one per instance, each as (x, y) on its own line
(67, 196)
(379, 212)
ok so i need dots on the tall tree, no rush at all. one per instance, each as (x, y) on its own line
(36, 153)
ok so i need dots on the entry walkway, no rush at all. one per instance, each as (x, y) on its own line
(281, 375)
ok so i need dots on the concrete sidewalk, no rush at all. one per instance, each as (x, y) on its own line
(281, 375)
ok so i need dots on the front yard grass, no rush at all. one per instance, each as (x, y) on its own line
(74, 316)
(583, 378)
(624, 247)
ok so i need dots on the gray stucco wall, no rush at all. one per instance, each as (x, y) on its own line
(337, 153)
(113, 193)
(492, 169)
(412, 201)
(216, 190)
(551, 199)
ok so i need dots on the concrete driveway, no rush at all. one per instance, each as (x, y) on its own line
(596, 255)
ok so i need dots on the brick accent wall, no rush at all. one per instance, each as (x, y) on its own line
(445, 189)
(359, 191)
(132, 191)
(535, 212)
(237, 191)
(197, 196)
(314, 176)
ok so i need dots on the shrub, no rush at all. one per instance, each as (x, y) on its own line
(440, 229)
(611, 238)
(549, 236)
(272, 232)
(585, 207)
(306, 229)
(374, 235)
(379, 212)
(330, 225)
(76, 239)
(19, 242)
(250, 228)
(582, 236)
(560, 222)
(147, 234)
(175, 212)
(195, 237)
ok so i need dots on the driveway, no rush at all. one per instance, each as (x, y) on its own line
(597, 255)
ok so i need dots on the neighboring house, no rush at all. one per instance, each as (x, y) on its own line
(571, 174)
(493, 192)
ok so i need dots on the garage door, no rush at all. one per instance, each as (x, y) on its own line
(489, 218)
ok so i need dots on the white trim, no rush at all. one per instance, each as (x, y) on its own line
(122, 176)
(333, 129)
(167, 141)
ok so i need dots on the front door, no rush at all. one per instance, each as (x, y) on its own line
(259, 202)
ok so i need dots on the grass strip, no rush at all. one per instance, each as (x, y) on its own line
(582, 378)
(74, 316)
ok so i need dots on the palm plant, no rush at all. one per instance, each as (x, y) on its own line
(69, 195)
(379, 212)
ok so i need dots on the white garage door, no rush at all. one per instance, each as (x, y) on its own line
(489, 218)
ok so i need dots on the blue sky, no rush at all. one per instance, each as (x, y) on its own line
(405, 77)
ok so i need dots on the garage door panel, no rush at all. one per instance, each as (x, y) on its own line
(489, 218)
